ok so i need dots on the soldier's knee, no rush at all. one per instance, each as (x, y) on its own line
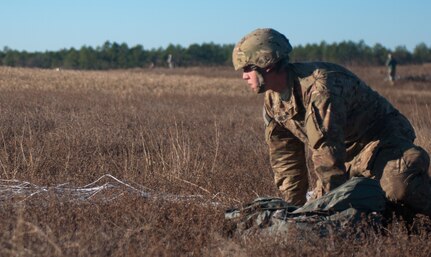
(394, 187)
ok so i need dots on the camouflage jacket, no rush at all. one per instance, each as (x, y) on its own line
(330, 111)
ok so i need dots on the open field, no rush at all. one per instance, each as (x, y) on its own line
(192, 138)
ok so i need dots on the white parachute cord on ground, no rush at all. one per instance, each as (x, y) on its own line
(105, 189)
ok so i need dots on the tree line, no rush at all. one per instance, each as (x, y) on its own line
(112, 55)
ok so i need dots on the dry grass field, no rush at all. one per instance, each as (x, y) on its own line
(193, 138)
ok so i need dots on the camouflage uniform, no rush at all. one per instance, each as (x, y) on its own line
(349, 128)
(351, 131)
(391, 63)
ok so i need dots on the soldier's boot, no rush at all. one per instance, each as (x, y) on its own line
(406, 180)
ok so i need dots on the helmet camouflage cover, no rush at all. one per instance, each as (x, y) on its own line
(261, 48)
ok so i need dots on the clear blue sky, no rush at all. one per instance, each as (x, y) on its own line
(39, 25)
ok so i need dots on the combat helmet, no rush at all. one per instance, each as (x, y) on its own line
(261, 48)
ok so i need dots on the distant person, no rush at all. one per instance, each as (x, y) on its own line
(350, 129)
(170, 61)
(391, 64)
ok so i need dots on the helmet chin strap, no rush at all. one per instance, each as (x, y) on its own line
(261, 85)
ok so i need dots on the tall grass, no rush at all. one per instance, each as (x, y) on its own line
(194, 131)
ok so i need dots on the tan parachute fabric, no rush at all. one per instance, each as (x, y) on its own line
(340, 209)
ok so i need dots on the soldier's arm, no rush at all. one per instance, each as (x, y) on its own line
(324, 123)
(287, 156)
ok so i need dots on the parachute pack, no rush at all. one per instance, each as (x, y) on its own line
(356, 200)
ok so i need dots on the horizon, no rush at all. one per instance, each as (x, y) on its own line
(185, 47)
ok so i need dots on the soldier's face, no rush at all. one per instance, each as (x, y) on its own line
(250, 76)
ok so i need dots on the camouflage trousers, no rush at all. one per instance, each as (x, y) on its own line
(401, 167)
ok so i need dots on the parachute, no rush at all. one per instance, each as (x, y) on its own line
(356, 200)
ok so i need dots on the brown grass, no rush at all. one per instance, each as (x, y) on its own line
(195, 131)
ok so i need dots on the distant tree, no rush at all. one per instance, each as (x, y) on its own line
(3, 54)
(346, 52)
(14, 58)
(227, 53)
(422, 53)
(156, 57)
(87, 58)
(71, 59)
(111, 55)
(402, 55)
(123, 56)
(323, 51)
(379, 54)
(364, 54)
(195, 54)
(298, 54)
(55, 59)
(138, 56)
(38, 59)
(104, 55)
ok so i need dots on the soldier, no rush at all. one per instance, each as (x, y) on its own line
(170, 61)
(350, 129)
(391, 63)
